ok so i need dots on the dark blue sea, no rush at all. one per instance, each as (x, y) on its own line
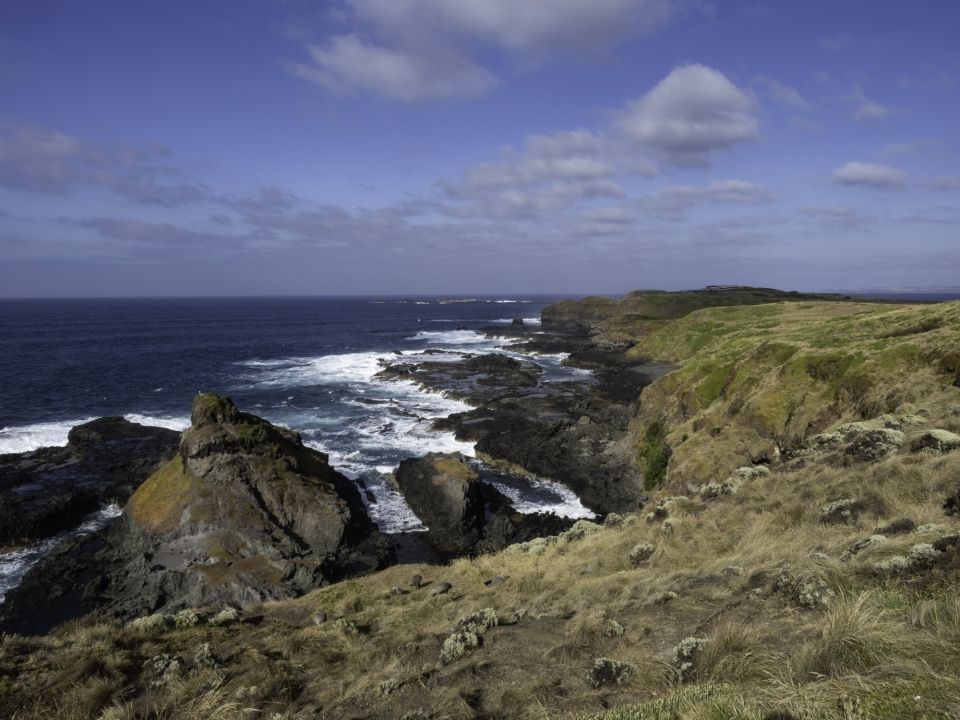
(305, 363)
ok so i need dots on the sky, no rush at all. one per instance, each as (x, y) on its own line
(284, 147)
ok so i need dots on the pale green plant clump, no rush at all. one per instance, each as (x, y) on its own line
(186, 619)
(467, 634)
(921, 555)
(227, 616)
(641, 553)
(606, 671)
(158, 622)
(807, 591)
(841, 511)
(685, 656)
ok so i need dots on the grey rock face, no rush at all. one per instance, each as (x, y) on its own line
(244, 513)
(464, 514)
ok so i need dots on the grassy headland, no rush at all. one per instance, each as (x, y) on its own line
(796, 560)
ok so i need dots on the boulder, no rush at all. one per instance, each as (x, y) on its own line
(244, 513)
(463, 514)
(941, 441)
(874, 444)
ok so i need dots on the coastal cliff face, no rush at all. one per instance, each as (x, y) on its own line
(243, 513)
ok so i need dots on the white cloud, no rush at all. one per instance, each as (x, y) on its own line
(36, 159)
(867, 110)
(690, 114)
(544, 24)
(784, 94)
(872, 174)
(550, 173)
(677, 199)
(348, 64)
(411, 50)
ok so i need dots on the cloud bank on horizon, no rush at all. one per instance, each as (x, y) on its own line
(444, 146)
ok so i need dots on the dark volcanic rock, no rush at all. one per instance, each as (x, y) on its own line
(480, 378)
(464, 514)
(50, 490)
(573, 432)
(244, 513)
(447, 495)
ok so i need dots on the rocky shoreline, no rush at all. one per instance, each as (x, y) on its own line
(238, 511)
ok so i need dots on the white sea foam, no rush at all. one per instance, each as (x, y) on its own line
(456, 338)
(14, 565)
(24, 438)
(171, 423)
(531, 495)
(526, 320)
(397, 423)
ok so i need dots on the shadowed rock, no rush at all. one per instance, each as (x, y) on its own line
(244, 513)
(464, 514)
(50, 490)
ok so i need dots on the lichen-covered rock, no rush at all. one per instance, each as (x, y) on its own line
(941, 441)
(862, 545)
(809, 591)
(841, 511)
(875, 444)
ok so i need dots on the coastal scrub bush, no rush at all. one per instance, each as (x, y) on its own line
(685, 655)
(467, 634)
(227, 616)
(807, 591)
(186, 619)
(158, 622)
(640, 553)
(921, 555)
(609, 672)
(654, 454)
(457, 645)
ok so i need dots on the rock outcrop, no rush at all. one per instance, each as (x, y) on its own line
(570, 431)
(464, 514)
(244, 513)
(50, 490)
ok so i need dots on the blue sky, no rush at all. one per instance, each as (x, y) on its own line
(460, 146)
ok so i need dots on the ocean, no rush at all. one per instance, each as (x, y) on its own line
(304, 363)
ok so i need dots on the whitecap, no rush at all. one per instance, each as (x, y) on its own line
(24, 438)
(171, 423)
